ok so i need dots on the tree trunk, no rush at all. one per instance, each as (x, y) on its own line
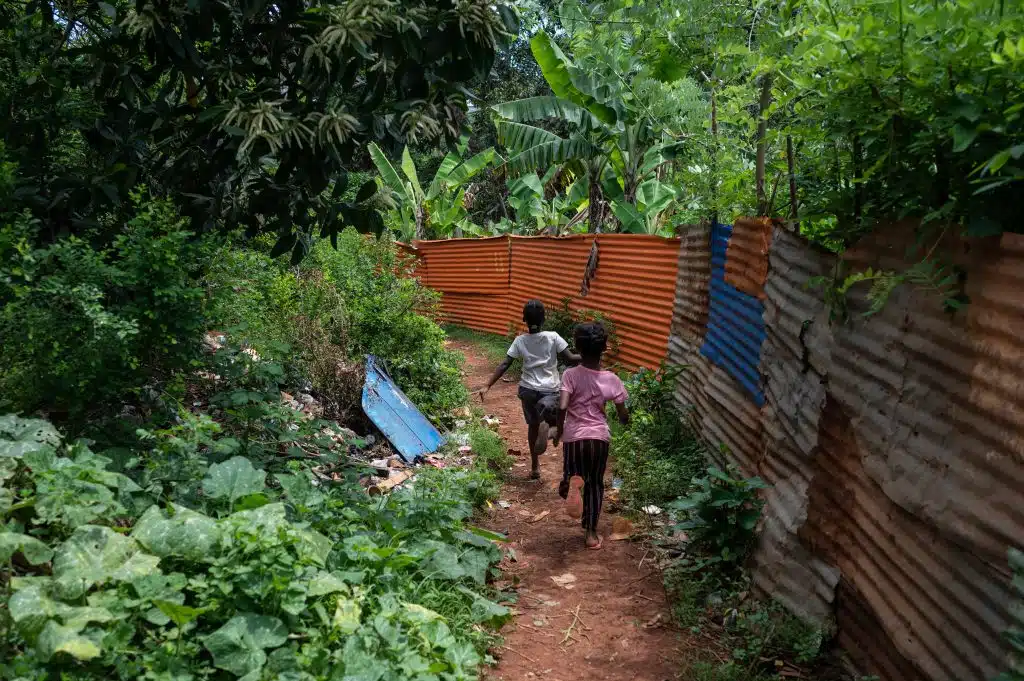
(791, 163)
(595, 209)
(762, 141)
(420, 221)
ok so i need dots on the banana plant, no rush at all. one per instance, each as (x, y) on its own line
(648, 212)
(439, 211)
(526, 198)
(607, 132)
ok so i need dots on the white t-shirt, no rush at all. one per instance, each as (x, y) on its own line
(539, 353)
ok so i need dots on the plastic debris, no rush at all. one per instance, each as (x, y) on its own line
(566, 581)
(652, 510)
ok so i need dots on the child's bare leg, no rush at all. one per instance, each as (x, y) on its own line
(533, 433)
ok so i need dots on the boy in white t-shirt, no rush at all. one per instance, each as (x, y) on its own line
(539, 384)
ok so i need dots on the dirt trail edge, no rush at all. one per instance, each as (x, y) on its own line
(582, 615)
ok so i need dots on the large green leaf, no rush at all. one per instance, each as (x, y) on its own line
(34, 551)
(347, 614)
(553, 152)
(233, 479)
(387, 171)
(540, 108)
(95, 555)
(559, 73)
(409, 168)
(61, 639)
(177, 532)
(238, 645)
(519, 136)
(628, 215)
(471, 167)
(20, 436)
(448, 164)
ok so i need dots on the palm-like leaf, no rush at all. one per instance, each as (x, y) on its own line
(471, 167)
(387, 171)
(520, 137)
(539, 108)
(448, 164)
(562, 75)
(409, 168)
(553, 152)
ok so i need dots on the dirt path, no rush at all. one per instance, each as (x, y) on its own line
(615, 608)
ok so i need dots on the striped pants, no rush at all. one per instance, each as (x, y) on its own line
(587, 459)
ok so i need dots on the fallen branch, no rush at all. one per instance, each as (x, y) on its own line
(572, 625)
(525, 657)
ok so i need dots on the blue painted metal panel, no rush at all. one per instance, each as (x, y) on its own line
(398, 419)
(736, 326)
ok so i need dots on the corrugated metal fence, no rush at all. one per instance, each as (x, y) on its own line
(894, 443)
(485, 283)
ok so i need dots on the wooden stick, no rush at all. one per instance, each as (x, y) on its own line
(572, 625)
(386, 485)
(525, 657)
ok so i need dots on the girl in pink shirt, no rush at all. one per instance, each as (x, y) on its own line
(583, 428)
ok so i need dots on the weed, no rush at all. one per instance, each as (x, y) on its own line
(490, 450)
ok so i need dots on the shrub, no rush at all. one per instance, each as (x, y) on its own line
(656, 455)
(721, 517)
(84, 326)
(387, 316)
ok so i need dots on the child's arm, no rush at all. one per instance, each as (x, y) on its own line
(569, 357)
(498, 373)
(563, 404)
(622, 412)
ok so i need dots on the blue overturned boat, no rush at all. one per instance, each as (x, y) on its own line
(401, 422)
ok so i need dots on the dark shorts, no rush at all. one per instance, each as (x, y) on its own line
(539, 406)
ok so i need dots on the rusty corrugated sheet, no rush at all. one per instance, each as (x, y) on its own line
(478, 266)
(746, 266)
(933, 404)
(793, 361)
(635, 286)
(548, 269)
(690, 313)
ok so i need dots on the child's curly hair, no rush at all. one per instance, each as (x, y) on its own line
(591, 339)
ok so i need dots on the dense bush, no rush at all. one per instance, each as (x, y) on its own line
(83, 327)
(204, 565)
(656, 455)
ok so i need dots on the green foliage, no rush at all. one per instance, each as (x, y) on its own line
(278, 575)
(1015, 634)
(82, 326)
(721, 517)
(564, 320)
(655, 455)
(387, 316)
(241, 113)
(490, 450)
(440, 211)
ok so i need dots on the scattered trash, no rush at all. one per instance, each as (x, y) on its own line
(393, 480)
(655, 621)
(492, 422)
(465, 449)
(505, 504)
(380, 466)
(525, 512)
(540, 516)
(435, 462)
(566, 581)
(652, 510)
(622, 529)
(395, 416)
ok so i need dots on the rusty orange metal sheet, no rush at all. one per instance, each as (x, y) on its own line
(746, 262)
(478, 266)
(485, 283)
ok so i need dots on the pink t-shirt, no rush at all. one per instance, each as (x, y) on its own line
(589, 391)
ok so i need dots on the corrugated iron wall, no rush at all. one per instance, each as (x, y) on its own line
(894, 445)
(485, 282)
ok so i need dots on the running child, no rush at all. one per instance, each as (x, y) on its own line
(539, 383)
(583, 428)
